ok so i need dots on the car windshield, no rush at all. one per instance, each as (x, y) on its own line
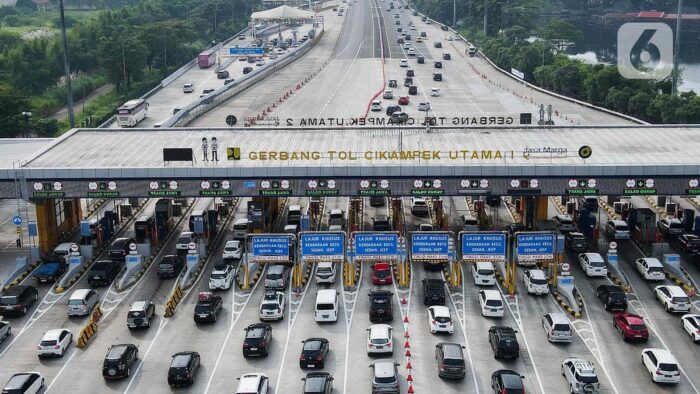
(443, 319)
(218, 275)
(454, 362)
(48, 343)
(681, 299)
(325, 307)
(8, 300)
(668, 367)
(561, 327)
(586, 378)
(621, 227)
(75, 302)
(202, 308)
(274, 276)
(312, 345)
(180, 361)
(256, 333)
(97, 272)
(230, 249)
(637, 327)
(388, 379)
(596, 263)
(535, 281)
(136, 314)
(183, 240)
(269, 307)
(494, 303)
(323, 269)
(486, 272)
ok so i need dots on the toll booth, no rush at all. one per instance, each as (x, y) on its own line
(164, 217)
(642, 224)
(145, 230)
(262, 212)
(212, 222)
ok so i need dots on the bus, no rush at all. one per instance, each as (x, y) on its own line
(206, 59)
(132, 112)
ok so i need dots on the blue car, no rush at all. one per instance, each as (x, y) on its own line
(50, 271)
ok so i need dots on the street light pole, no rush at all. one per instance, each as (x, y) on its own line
(486, 9)
(454, 13)
(66, 67)
(677, 47)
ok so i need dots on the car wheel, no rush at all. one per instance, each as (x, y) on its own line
(62, 351)
(214, 318)
(24, 310)
(668, 309)
(36, 297)
(562, 371)
(571, 387)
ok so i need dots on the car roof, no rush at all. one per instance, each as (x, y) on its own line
(220, 268)
(594, 256)
(558, 317)
(619, 222)
(384, 369)
(250, 382)
(483, 264)
(15, 290)
(451, 350)
(537, 274)
(379, 331)
(116, 351)
(583, 366)
(336, 211)
(138, 306)
(632, 318)
(276, 268)
(180, 359)
(324, 264)
(662, 355)
(52, 335)
(17, 380)
(79, 294)
(316, 382)
(652, 261)
(440, 310)
(675, 290)
(491, 294)
(241, 221)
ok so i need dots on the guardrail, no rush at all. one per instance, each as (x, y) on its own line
(170, 78)
(532, 86)
(225, 92)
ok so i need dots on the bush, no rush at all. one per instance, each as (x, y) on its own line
(13, 21)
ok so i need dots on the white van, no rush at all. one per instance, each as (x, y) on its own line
(650, 268)
(185, 238)
(240, 228)
(326, 306)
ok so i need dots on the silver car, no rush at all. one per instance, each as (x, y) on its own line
(276, 277)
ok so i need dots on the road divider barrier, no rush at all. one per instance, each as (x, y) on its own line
(90, 329)
(173, 301)
(21, 271)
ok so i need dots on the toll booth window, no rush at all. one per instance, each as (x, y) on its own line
(60, 211)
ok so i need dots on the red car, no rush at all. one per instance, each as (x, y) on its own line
(631, 326)
(381, 273)
(403, 100)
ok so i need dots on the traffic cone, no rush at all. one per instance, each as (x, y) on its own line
(406, 335)
(410, 388)
(408, 352)
(406, 345)
(405, 319)
(408, 365)
(404, 301)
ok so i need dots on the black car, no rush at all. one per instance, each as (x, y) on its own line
(380, 306)
(438, 64)
(103, 272)
(424, 18)
(507, 381)
(437, 44)
(117, 363)
(503, 342)
(170, 266)
(446, 56)
(450, 359)
(207, 308)
(120, 248)
(381, 223)
(421, 59)
(443, 28)
(183, 369)
(433, 292)
(318, 383)
(314, 353)
(575, 242)
(390, 109)
(222, 74)
(399, 118)
(612, 297)
(257, 340)
(410, 73)
(437, 76)
(689, 243)
(17, 299)
(228, 81)
(247, 70)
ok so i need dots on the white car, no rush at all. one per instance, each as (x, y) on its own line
(593, 264)
(376, 105)
(650, 268)
(661, 365)
(407, 46)
(188, 88)
(388, 94)
(440, 319)
(565, 223)
(535, 282)
(25, 383)
(448, 38)
(221, 277)
(403, 63)
(691, 325)
(424, 106)
(434, 92)
(411, 52)
(380, 339)
(483, 273)
(54, 343)
(580, 375)
(491, 303)
(232, 250)
(673, 298)
(253, 383)
(325, 272)
(272, 306)
(413, 28)
(5, 330)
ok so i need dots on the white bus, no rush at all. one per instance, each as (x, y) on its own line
(132, 112)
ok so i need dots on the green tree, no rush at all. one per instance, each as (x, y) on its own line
(638, 105)
(12, 122)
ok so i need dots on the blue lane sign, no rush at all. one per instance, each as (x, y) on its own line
(535, 246)
(246, 51)
(484, 246)
(374, 246)
(17, 220)
(430, 246)
(270, 248)
(322, 246)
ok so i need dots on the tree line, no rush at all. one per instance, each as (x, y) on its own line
(132, 45)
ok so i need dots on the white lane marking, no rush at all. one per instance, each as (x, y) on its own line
(516, 316)
(348, 321)
(464, 329)
(290, 324)
(163, 323)
(62, 368)
(235, 315)
(340, 83)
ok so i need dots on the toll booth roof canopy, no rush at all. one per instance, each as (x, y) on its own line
(552, 151)
(13, 150)
(282, 12)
